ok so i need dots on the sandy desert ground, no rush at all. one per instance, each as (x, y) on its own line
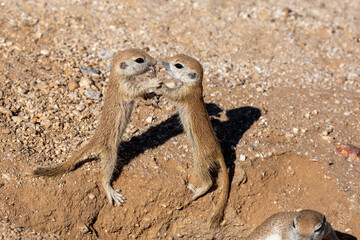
(282, 87)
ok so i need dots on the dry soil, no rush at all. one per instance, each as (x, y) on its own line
(281, 84)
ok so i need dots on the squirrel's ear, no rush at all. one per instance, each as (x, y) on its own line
(192, 75)
(123, 65)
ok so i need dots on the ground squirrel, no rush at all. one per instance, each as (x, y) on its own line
(119, 101)
(188, 96)
(303, 225)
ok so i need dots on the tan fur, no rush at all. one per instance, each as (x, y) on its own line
(309, 225)
(119, 101)
(195, 119)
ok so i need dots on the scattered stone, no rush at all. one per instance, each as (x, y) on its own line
(106, 54)
(289, 135)
(6, 111)
(327, 138)
(85, 82)
(42, 85)
(5, 131)
(73, 84)
(45, 122)
(92, 94)
(240, 176)
(44, 52)
(17, 119)
(350, 151)
(84, 229)
(6, 176)
(94, 111)
(89, 70)
(258, 69)
(81, 107)
(295, 130)
(242, 157)
(149, 119)
(91, 196)
(341, 80)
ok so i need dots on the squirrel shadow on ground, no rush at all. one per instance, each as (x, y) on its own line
(228, 132)
(344, 236)
(231, 131)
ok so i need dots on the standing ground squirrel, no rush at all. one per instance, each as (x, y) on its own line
(303, 225)
(119, 101)
(188, 96)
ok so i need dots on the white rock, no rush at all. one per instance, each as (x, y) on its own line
(149, 119)
(106, 53)
(6, 176)
(94, 111)
(44, 52)
(242, 157)
(327, 138)
(295, 130)
(85, 82)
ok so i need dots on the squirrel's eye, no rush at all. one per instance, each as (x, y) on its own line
(139, 60)
(178, 65)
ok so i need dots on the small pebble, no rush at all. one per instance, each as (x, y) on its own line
(6, 176)
(106, 54)
(92, 94)
(6, 111)
(242, 157)
(289, 135)
(5, 131)
(85, 82)
(295, 130)
(327, 138)
(258, 69)
(44, 52)
(341, 80)
(149, 119)
(80, 107)
(45, 122)
(17, 119)
(42, 85)
(94, 111)
(73, 84)
(89, 70)
(84, 229)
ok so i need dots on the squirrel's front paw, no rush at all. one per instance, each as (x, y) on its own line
(155, 82)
